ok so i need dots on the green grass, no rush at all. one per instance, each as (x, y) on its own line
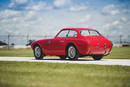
(117, 52)
(26, 74)
(16, 52)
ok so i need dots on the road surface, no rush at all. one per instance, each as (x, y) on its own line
(125, 62)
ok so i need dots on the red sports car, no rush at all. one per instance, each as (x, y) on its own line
(72, 43)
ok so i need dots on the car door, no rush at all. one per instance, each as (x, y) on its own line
(58, 43)
(64, 37)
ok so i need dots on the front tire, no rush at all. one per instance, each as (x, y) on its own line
(97, 57)
(72, 53)
(38, 52)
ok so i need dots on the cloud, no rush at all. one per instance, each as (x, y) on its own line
(15, 2)
(106, 26)
(30, 14)
(85, 19)
(34, 17)
(115, 23)
(61, 3)
(78, 7)
(38, 6)
(123, 19)
(29, 5)
(8, 13)
(114, 12)
(111, 10)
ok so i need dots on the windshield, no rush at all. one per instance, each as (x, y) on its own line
(89, 32)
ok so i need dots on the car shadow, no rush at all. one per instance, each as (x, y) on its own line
(80, 59)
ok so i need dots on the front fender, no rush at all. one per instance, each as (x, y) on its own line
(34, 43)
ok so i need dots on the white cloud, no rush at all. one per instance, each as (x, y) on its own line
(9, 13)
(61, 3)
(35, 21)
(41, 5)
(30, 14)
(15, 2)
(114, 12)
(85, 19)
(115, 23)
(111, 9)
(78, 7)
(38, 6)
(124, 19)
(106, 26)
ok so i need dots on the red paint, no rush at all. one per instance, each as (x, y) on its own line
(86, 45)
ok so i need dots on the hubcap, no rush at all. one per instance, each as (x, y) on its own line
(71, 52)
(37, 51)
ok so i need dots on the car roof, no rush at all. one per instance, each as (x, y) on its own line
(78, 29)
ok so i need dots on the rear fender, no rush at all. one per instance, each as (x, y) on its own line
(80, 46)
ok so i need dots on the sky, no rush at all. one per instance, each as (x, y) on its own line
(47, 17)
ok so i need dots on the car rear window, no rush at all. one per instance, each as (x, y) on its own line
(89, 32)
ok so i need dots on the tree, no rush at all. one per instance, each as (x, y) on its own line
(2, 43)
(30, 42)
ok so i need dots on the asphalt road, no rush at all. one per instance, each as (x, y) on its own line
(125, 62)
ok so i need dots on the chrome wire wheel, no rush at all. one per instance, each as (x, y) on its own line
(72, 52)
(37, 51)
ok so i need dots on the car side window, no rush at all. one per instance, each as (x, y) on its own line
(84, 32)
(72, 33)
(89, 32)
(63, 33)
(93, 33)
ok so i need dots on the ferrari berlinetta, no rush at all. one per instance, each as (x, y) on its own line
(73, 43)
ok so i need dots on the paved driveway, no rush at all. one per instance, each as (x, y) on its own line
(125, 62)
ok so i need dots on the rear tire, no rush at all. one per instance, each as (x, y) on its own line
(38, 52)
(72, 53)
(97, 57)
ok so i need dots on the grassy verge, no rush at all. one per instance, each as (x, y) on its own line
(117, 52)
(16, 52)
(25, 74)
